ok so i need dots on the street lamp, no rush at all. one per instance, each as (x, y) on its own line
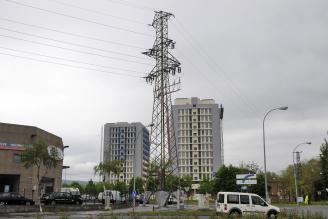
(134, 166)
(294, 151)
(265, 172)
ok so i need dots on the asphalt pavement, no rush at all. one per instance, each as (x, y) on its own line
(312, 209)
(322, 209)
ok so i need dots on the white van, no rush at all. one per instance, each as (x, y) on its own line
(115, 196)
(237, 204)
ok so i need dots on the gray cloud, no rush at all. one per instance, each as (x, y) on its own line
(248, 55)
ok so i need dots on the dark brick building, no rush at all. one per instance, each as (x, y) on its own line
(14, 177)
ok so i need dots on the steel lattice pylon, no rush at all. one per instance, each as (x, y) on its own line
(163, 150)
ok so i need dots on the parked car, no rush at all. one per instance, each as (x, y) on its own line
(13, 198)
(237, 204)
(61, 198)
(172, 200)
(114, 196)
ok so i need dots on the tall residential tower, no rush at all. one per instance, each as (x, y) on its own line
(128, 142)
(198, 130)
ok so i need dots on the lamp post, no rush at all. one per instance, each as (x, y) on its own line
(295, 176)
(134, 167)
(265, 172)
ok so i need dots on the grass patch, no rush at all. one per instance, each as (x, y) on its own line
(193, 214)
(178, 213)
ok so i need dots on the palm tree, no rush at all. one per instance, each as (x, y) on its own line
(37, 155)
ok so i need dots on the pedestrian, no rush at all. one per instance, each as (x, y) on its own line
(306, 201)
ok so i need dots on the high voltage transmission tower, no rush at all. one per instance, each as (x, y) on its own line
(163, 77)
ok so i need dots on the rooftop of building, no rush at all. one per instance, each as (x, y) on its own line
(26, 134)
(193, 100)
(118, 124)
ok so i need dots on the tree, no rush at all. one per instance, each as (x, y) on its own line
(77, 185)
(324, 166)
(38, 156)
(206, 186)
(253, 167)
(310, 175)
(109, 185)
(152, 184)
(259, 187)
(185, 183)
(171, 183)
(139, 185)
(156, 173)
(99, 187)
(90, 188)
(324, 162)
(287, 183)
(225, 179)
(122, 188)
(65, 185)
(108, 167)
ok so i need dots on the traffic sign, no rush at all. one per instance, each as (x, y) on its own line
(246, 176)
(246, 182)
(134, 194)
(246, 179)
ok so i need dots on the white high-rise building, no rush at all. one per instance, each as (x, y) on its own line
(128, 142)
(198, 130)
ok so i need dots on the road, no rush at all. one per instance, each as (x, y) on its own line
(93, 214)
(321, 209)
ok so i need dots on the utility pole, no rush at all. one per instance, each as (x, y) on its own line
(297, 174)
(163, 78)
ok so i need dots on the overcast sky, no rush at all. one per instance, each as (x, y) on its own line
(249, 56)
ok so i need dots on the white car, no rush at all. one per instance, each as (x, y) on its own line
(237, 204)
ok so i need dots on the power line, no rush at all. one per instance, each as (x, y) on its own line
(78, 18)
(133, 5)
(70, 43)
(214, 65)
(210, 82)
(74, 50)
(72, 34)
(234, 87)
(70, 60)
(72, 66)
(97, 12)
